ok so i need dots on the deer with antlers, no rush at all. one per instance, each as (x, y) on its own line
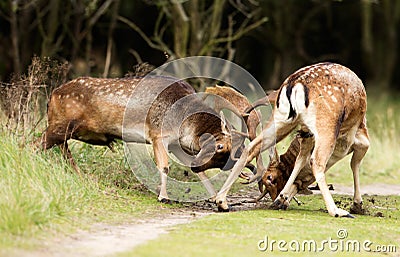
(328, 102)
(162, 111)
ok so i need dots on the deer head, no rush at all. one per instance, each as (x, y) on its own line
(218, 151)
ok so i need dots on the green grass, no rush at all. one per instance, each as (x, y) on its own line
(35, 190)
(238, 233)
(41, 193)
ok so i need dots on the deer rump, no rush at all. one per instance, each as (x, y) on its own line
(328, 101)
(161, 111)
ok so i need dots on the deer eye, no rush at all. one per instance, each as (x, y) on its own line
(220, 146)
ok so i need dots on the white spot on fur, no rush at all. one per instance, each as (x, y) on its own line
(334, 99)
(81, 81)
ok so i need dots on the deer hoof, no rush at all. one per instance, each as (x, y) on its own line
(357, 208)
(280, 203)
(222, 206)
(220, 209)
(165, 201)
(341, 213)
(348, 216)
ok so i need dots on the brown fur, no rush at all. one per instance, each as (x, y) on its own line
(96, 110)
(329, 101)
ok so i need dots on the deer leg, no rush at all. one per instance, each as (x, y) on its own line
(263, 141)
(259, 173)
(68, 156)
(287, 193)
(161, 157)
(207, 184)
(245, 158)
(319, 159)
(360, 147)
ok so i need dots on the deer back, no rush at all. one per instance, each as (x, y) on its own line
(95, 110)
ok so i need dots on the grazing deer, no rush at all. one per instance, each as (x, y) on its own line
(161, 111)
(328, 101)
(280, 168)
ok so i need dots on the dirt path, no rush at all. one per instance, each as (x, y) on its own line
(106, 240)
(375, 189)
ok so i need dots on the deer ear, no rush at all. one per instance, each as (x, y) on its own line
(273, 154)
(272, 95)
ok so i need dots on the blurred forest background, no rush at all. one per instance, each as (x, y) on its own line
(270, 38)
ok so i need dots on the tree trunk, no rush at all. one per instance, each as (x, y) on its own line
(15, 37)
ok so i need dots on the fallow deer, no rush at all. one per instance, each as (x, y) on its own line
(161, 111)
(328, 101)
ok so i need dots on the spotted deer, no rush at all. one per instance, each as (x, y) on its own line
(328, 101)
(161, 111)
